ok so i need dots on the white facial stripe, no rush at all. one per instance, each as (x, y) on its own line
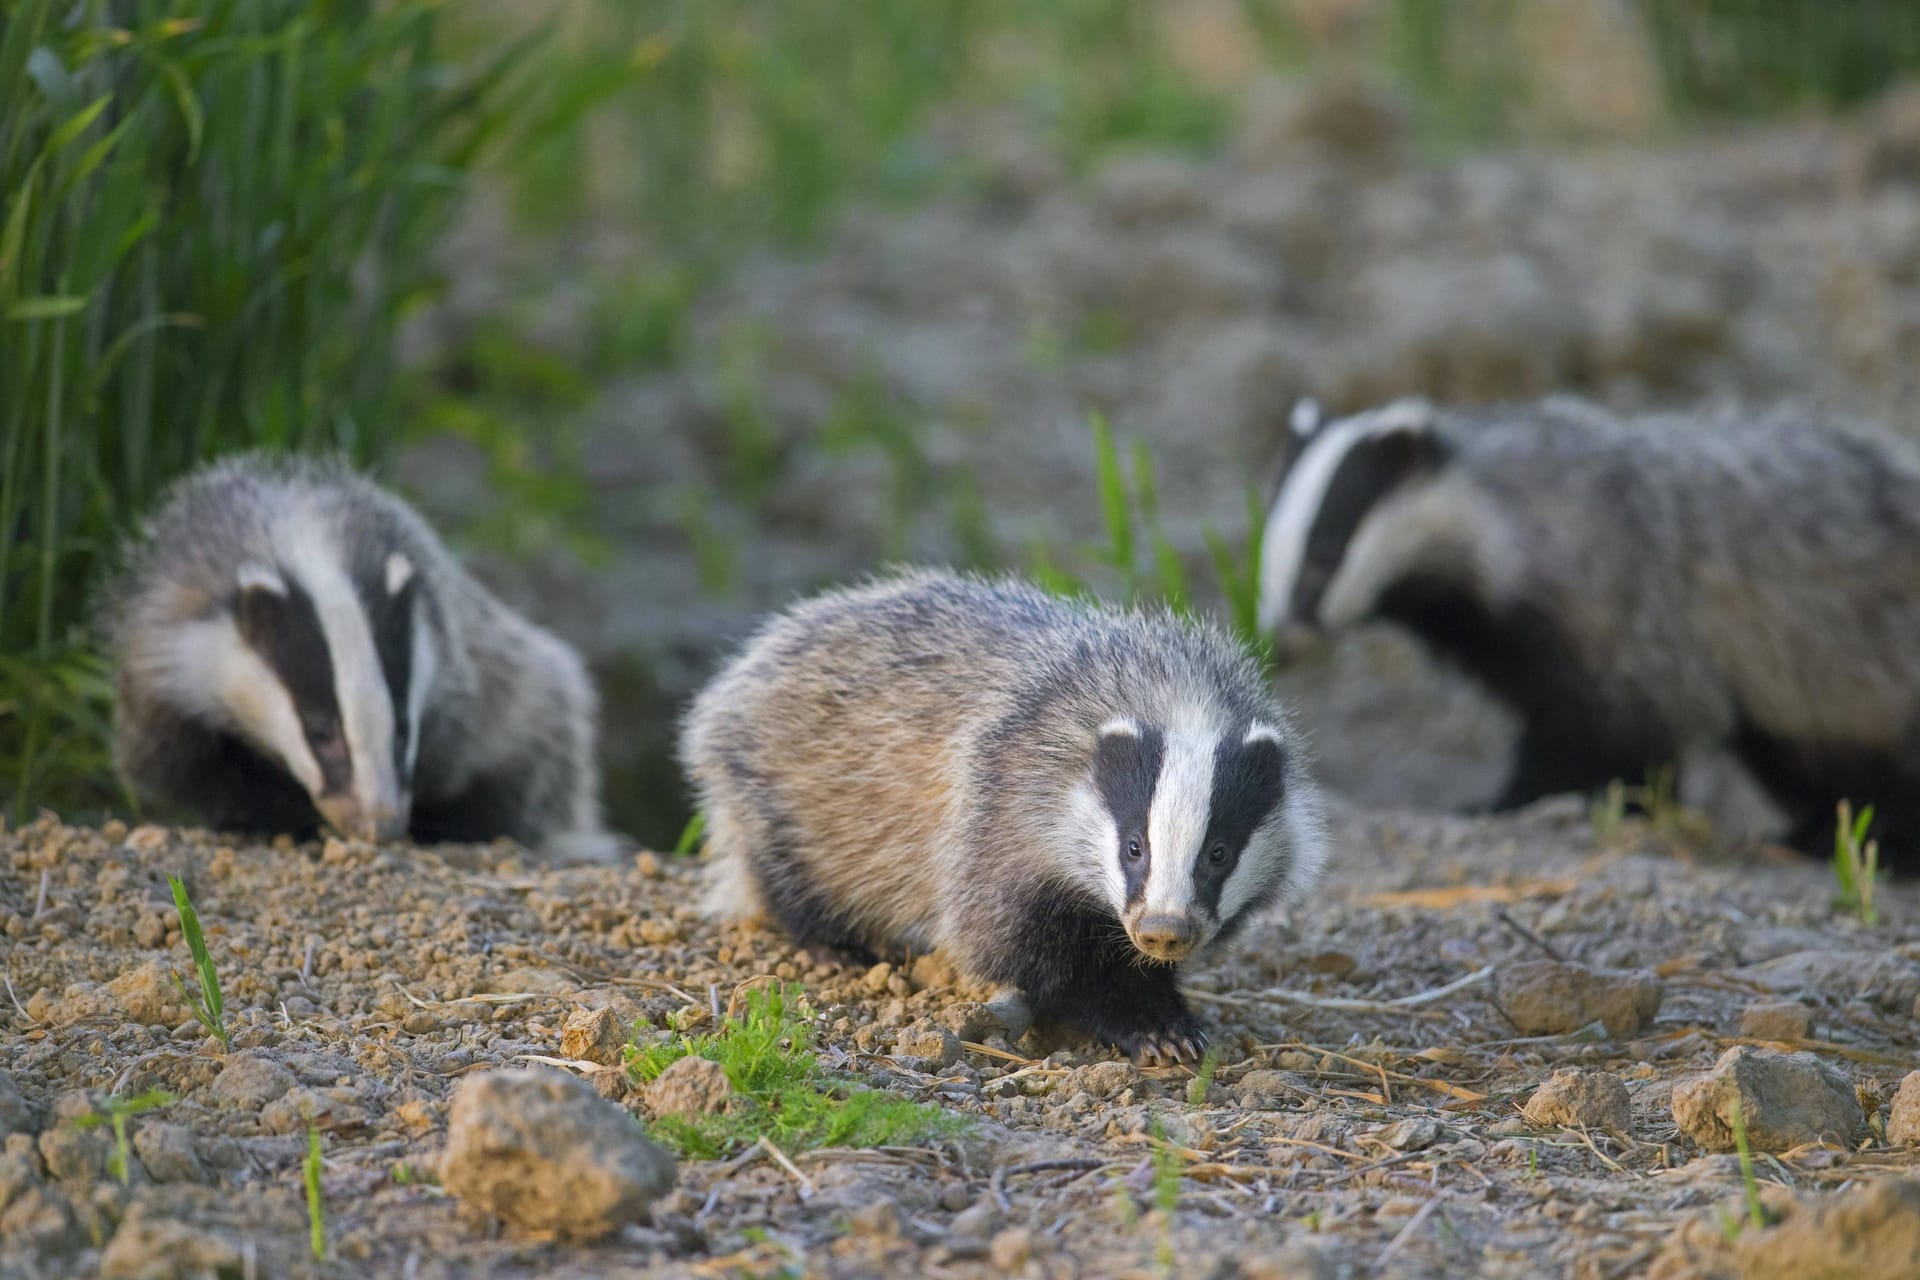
(1283, 546)
(1088, 831)
(1177, 820)
(1122, 726)
(360, 686)
(399, 573)
(426, 665)
(254, 576)
(206, 669)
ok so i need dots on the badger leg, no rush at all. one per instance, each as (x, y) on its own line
(1810, 780)
(1076, 965)
(1559, 752)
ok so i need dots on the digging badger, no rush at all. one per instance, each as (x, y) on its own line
(1635, 589)
(295, 647)
(1069, 801)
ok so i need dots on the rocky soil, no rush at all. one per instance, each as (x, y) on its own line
(919, 388)
(1502, 1048)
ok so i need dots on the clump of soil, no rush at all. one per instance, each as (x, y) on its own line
(1351, 1119)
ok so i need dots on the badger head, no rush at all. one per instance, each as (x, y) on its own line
(1189, 829)
(319, 660)
(1319, 569)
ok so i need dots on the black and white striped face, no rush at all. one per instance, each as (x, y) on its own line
(1338, 476)
(1191, 829)
(325, 668)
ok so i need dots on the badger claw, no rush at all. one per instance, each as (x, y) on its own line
(1167, 1049)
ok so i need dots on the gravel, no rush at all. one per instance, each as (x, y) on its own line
(1332, 1119)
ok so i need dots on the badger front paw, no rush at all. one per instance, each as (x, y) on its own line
(1166, 1048)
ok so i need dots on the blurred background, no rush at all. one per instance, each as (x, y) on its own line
(668, 311)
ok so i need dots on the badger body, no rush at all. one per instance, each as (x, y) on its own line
(1068, 800)
(294, 647)
(1636, 589)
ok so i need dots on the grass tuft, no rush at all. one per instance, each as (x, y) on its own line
(209, 1008)
(691, 835)
(1730, 1225)
(1856, 862)
(1203, 1078)
(781, 1092)
(115, 1111)
(316, 1211)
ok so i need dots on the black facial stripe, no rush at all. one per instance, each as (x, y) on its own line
(1372, 469)
(1249, 779)
(391, 620)
(1126, 768)
(285, 631)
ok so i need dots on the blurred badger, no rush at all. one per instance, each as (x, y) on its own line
(294, 647)
(1632, 588)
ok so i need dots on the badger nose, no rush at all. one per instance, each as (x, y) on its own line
(1165, 937)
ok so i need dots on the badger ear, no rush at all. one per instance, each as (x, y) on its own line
(259, 601)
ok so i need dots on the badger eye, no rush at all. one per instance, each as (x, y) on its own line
(1133, 847)
(1217, 854)
(320, 728)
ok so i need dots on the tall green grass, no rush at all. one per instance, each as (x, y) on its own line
(213, 213)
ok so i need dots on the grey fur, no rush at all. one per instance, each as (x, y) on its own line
(1716, 579)
(510, 715)
(897, 758)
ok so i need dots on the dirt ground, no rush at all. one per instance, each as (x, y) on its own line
(1342, 1134)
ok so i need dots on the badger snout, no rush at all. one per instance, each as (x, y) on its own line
(1166, 936)
(373, 823)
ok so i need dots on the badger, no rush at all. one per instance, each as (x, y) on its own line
(295, 648)
(1069, 800)
(1636, 589)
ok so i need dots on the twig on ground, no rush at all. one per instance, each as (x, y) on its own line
(807, 1189)
(1406, 1233)
(1280, 995)
(1501, 914)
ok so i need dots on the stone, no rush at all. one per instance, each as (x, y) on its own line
(970, 1020)
(594, 1035)
(1884, 978)
(1105, 1079)
(151, 1244)
(15, 1115)
(249, 1083)
(1903, 1119)
(1785, 1100)
(1581, 1098)
(875, 1218)
(690, 1086)
(1546, 997)
(1869, 1231)
(1777, 1020)
(1011, 1248)
(929, 1044)
(1262, 1088)
(546, 1154)
(168, 1152)
(978, 1221)
(329, 1110)
(146, 995)
(1416, 1133)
